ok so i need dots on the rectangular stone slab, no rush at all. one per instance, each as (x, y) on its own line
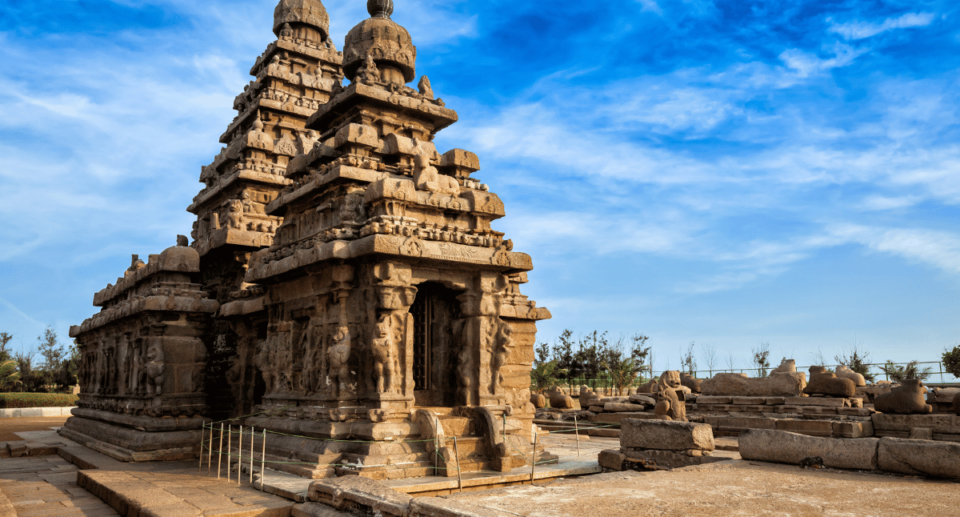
(665, 435)
(815, 401)
(948, 424)
(920, 457)
(791, 448)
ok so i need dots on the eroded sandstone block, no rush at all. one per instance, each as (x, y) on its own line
(920, 457)
(560, 401)
(825, 383)
(665, 435)
(776, 385)
(846, 373)
(792, 448)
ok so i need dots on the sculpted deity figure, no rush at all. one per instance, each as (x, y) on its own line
(425, 89)
(504, 344)
(261, 362)
(155, 367)
(235, 214)
(368, 73)
(386, 364)
(339, 355)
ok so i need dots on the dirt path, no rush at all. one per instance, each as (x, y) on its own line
(8, 426)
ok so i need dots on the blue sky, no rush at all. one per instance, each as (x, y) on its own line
(720, 172)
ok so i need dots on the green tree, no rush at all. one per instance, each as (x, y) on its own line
(899, 373)
(951, 361)
(9, 376)
(5, 354)
(624, 369)
(545, 375)
(30, 381)
(689, 361)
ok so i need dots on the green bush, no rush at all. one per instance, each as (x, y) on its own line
(27, 400)
(951, 361)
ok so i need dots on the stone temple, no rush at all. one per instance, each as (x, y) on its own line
(343, 282)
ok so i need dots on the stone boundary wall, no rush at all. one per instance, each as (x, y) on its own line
(35, 412)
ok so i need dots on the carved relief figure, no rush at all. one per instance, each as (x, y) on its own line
(428, 178)
(339, 355)
(386, 363)
(368, 73)
(669, 405)
(504, 344)
(235, 214)
(234, 377)
(261, 362)
(155, 367)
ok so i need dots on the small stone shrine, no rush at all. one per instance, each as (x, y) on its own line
(343, 284)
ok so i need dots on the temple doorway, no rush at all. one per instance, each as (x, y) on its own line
(436, 341)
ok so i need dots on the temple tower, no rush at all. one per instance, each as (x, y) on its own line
(294, 76)
(393, 306)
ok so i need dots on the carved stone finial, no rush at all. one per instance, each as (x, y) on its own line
(182, 241)
(258, 122)
(380, 8)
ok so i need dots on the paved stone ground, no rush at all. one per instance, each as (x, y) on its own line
(10, 426)
(736, 487)
(47, 486)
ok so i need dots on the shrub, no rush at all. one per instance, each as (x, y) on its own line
(28, 400)
(912, 370)
(951, 361)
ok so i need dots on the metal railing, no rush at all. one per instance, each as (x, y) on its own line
(937, 372)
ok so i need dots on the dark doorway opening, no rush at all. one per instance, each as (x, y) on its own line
(436, 341)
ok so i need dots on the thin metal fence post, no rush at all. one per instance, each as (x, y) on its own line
(229, 448)
(240, 456)
(533, 471)
(252, 437)
(200, 468)
(456, 452)
(220, 452)
(576, 429)
(263, 460)
(210, 453)
(436, 449)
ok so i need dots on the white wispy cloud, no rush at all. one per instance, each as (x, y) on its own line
(807, 64)
(860, 30)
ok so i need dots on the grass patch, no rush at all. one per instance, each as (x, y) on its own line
(27, 400)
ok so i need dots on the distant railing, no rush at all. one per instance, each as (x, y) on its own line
(937, 373)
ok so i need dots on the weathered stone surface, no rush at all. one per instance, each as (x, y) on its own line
(611, 459)
(829, 384)
(614, 407)
(791, 448)
(316, 510)
(538, 401)
(814, 401)
(786, 366)
(560, 401)
(846, 373)
(749, 401)
(442, 507)
(943, 424)
(643, 400)
(354, 492)
(920, 457)
(776, 385)
(708, 399)
(665, 435)
(664, 460)
(905, 400)
(690, 382)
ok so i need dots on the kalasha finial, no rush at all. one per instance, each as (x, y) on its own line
(380, 8)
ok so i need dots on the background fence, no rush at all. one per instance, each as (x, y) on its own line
(938, 375)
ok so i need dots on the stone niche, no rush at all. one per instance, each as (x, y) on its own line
(142, 362)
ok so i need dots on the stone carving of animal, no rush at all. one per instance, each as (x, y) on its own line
(787, 366)
(846, 373)
(538, 400)
(558, 400)
(669, 405)
(823, 382)
(905, 400)
(588, 397)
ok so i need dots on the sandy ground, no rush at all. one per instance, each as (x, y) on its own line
(8, 426)
(731, 488)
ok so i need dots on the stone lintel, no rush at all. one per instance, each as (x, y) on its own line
(233, 237)
(213, 194)
(241, 307)
(395, 245)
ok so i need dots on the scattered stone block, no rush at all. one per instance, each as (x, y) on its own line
(944, 424)
(776, 385)
(920, 457)
(642, 399)
(852, 429)
(611, 459)
(614, 407)
(922, 433)
(316, 510)
(815, 401)
(792, 448)
(17, 449)
(665, 435)
(749, 401)
(355, 493)
(905, 400)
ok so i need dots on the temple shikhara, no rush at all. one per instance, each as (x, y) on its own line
(343, 282)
